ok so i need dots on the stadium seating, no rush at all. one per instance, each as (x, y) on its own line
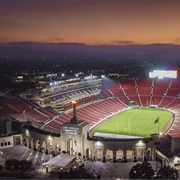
(165, 101)
(159, 91)
(175, 84)
(173, 104)
(173, 92)
(162, 83)
(163, 93)
(144, 83)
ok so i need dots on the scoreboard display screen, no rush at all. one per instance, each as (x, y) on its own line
(71, 129)
(163, 74)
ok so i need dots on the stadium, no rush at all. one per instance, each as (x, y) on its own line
(96, 118)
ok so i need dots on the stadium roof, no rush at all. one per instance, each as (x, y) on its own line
(40, 131)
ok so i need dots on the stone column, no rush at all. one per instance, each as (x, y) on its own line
(46, 150)
(40, 147)
(145, 154)
(114, 155)
(94, 154)
(135, 155)
(124, 155)
(104, 155)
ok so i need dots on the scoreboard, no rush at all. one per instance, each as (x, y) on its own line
(160, 74)
(72, 129)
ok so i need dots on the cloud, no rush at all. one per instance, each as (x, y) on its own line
(53, 40)
(122, 42)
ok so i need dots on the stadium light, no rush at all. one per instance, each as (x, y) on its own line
(140, 143)
(27, 132)
(176, 160)
(49, 138)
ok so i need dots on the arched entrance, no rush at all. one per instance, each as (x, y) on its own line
(99, 154)
(50, 147)
(119, 154)
(88, 153)
(43, 146)
(31, 144)
(37, 144)
(129, 154)
(109, 154)
(57, 149)
(139, 154)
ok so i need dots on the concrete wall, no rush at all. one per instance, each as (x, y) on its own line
(6, 142)
(78, 144)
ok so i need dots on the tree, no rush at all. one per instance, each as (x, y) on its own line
(25, 165)
(77, 174)
(1, 167)
(141, 171)
(9, 165)
(167, 172)
(18, 165)
(15, 164)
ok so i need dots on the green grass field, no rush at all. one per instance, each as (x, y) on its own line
(136, 122)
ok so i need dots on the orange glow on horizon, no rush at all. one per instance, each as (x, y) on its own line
(95, 22)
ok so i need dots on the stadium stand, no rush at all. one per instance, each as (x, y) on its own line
(95, 103)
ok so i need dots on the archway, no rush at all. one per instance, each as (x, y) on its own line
(88, 153)
(129, 154)
(50, 147)
(31, 145)
(99, 154)
(37, 144)
(44, 146)
(139, 154)
(119, 154)
(24, 142)
(109, 154)
(57, 149)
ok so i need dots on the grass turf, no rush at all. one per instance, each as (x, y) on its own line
(136, 122)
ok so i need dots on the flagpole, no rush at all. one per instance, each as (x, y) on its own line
(157, 138)
(158, 129)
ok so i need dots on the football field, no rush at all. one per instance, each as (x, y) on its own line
(136, 122)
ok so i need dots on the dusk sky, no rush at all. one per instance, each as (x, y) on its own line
(92, 22)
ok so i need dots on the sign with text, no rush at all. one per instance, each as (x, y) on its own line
(71, 129)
